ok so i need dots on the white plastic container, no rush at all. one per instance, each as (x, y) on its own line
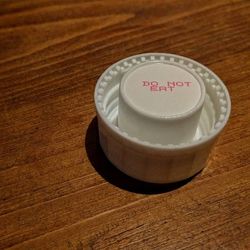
(159, 115)
(161, 102)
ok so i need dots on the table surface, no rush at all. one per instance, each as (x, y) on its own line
(58, 191)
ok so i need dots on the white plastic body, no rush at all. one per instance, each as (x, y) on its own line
(155, 161)
(150, 164)
(158, 113)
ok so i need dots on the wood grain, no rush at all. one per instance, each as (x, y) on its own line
(57, 189)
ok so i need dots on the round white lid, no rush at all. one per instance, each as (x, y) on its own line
(162, 90)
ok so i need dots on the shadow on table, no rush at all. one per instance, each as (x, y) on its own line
(114, 176)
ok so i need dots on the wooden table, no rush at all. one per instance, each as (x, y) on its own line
(58, 191)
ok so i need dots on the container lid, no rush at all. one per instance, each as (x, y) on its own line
(163, 90)
(146, 121)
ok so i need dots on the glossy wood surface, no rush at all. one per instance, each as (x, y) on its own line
(57, 189)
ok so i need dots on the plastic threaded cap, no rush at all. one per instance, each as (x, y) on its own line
(159, 115)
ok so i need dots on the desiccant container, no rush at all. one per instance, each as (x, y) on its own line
(159, 115)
